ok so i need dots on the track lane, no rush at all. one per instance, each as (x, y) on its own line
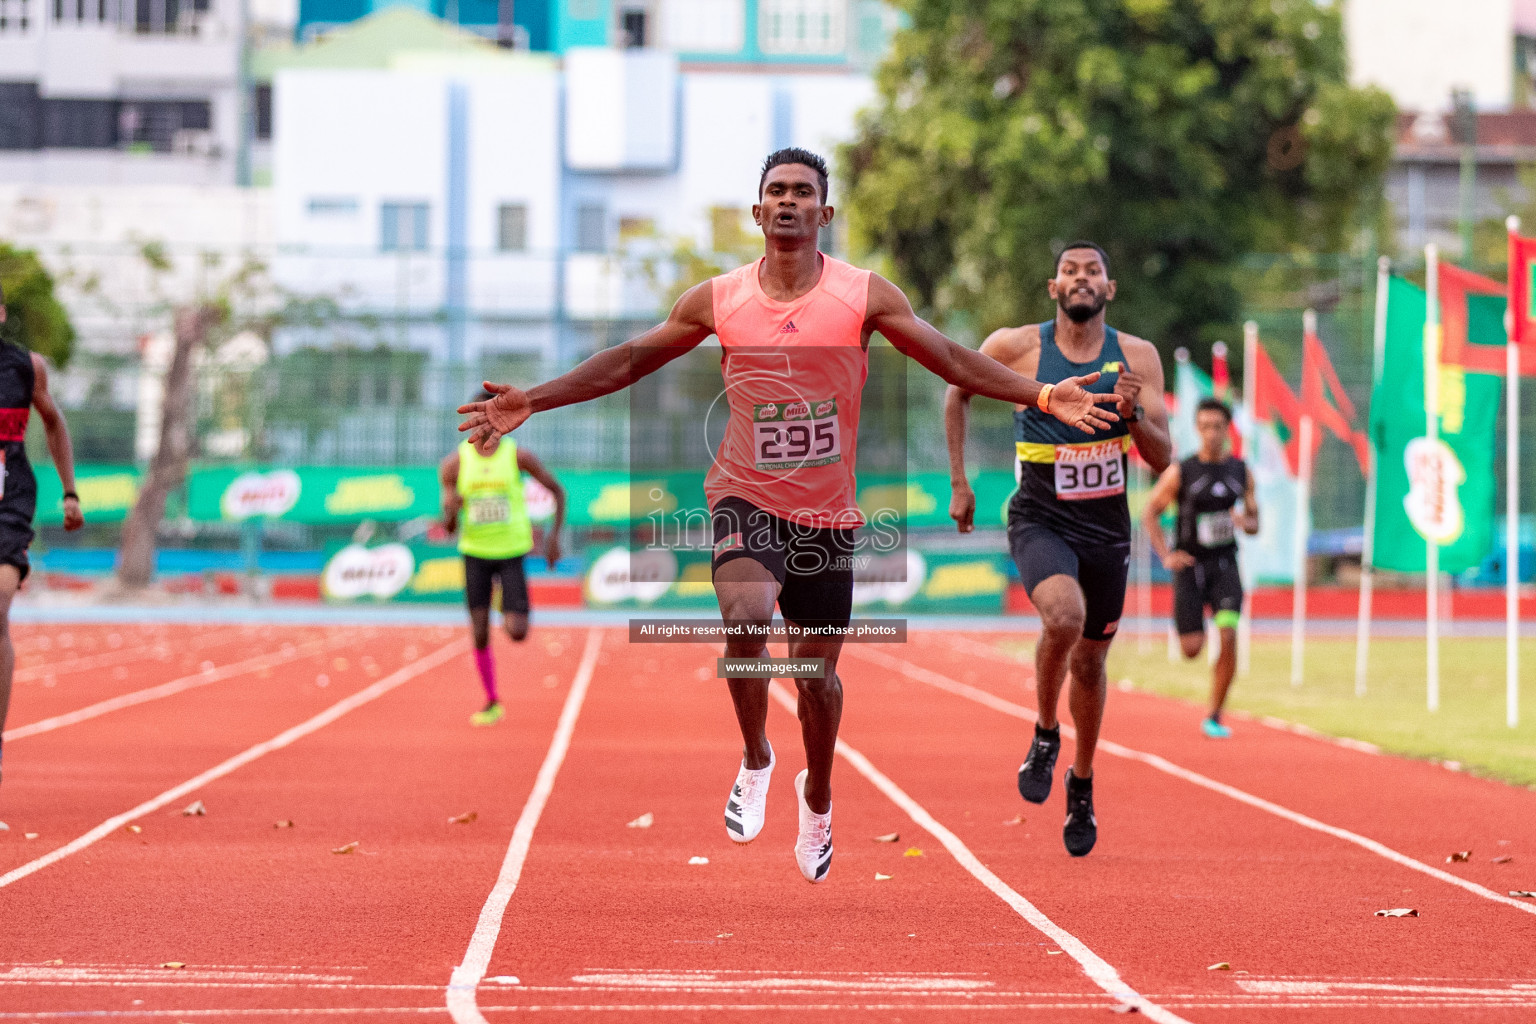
(269, 919)
(1290, 907)
(615, 921)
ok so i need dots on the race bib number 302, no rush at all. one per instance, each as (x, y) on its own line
(792, 435)
(1090, 470)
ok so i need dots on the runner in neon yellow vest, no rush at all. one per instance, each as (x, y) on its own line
(483, 501)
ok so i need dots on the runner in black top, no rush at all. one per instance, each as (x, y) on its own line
(1069, 527)
(1206, 487)
(23, 384)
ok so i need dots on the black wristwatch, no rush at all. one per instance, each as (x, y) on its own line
(71, 494)
(1137, 415)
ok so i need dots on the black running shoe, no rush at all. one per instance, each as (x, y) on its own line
(1081, 830)
(1035, 772)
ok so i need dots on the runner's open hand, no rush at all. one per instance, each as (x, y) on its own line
(502, 413)
(73, 519)
(1128, 390)
(1079, 408)
(962, 507)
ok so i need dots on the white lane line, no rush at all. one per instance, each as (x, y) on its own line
(1007, 707)
(175, 686)
(241, 759)
(466, 978)
(1097, 969)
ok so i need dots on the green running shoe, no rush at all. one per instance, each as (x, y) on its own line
(492, 714)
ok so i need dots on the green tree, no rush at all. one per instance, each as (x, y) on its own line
(35, 319)
(1179, 134)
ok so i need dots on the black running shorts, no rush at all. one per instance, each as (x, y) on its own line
(814, 565)
(15, 538)
(480, 572)
(1100, 569)
(1213, 582)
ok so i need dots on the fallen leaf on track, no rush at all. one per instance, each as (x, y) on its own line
(1053, 952)
(1125, 1008)
(645, 820)
(56, 963)
(698, 860)
(349, 848)
(135, 829)
(174, 965)
(194, 810)
(1503, 858)
(725, 935)
(506, 979)
(1459, 857)
(1398, 912)
(285, 823)
(465, 818)
(882, 878)
(913, 851)
(889, 837)
(1017, 819)
(30, 835)
(1524, 894)
(1223, 966)
(4, 827)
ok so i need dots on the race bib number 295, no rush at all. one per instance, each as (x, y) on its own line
(792, 435)
(1090, 470)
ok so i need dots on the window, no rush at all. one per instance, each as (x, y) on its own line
(632, 28)
(512, 227)
(803, 27)
(261, 104)
(155, 124)
(591, 228)
(403, 227)
(705, 26)
(21, 116)
(333, 206)
(15, 15)
(80, 124)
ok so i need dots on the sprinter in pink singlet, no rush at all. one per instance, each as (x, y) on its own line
(795, 329)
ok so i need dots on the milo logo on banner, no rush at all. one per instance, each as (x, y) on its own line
(261, 494)
(357, 571)
(1433, 504)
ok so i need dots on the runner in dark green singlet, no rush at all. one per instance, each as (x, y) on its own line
(1069, 526)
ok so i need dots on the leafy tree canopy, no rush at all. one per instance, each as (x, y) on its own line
(35, 319)
(1181, 135)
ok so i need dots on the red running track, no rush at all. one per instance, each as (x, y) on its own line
(1270, 852)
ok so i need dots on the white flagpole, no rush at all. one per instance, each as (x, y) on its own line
(1512, 505)
(1303, 529)
(1368, 547)
(1303, 523)
(1251, 453)
(1432, 434)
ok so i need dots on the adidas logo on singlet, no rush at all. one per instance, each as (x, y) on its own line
(789, 328)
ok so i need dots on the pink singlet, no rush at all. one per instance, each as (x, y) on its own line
(794, 375)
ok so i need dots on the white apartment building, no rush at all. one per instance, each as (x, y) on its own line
(517, 203)
(113, 92)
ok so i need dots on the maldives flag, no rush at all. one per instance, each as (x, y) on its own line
(1522, 286)
(1472, 315)
(1323, 398)
(1275, 403)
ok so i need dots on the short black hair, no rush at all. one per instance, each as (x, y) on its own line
(1095, 246)
(1213, 404)
(795, 155)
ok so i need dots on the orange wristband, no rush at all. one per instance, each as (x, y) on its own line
(1044, 399)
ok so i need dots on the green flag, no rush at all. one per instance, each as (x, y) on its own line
(1423, 489)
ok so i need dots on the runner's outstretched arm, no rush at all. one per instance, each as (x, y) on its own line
(613, 369)
(890, 313)
(59, 445)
